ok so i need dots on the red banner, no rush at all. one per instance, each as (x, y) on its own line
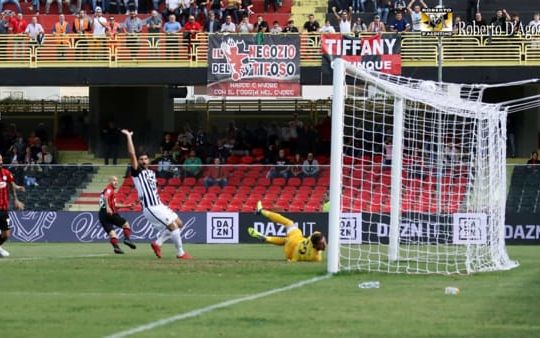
(381, 53)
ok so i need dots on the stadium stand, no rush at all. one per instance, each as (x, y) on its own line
(51, 187)
(48, 21)
(524, 193)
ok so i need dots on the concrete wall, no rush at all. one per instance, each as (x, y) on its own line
(145, 110)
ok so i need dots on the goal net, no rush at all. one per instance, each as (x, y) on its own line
(418, 182)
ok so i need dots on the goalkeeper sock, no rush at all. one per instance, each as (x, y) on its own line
(276, 240)
(114, 242)
(127, 232)
(277, 218)
(177, 240)
(163, 236)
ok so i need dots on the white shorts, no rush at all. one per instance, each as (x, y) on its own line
(159, 216)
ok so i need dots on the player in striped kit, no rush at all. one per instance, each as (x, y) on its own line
(164, 220)
(7, 180)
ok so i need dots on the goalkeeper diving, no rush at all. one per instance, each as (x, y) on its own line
(295, 245)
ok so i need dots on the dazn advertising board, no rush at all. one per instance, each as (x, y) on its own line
(254, 65)
(231, 227)
(377, 52)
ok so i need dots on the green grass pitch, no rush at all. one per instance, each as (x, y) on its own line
(50, 290)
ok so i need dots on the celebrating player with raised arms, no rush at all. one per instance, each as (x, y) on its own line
(6, 180)
(109, 217)
(162, 218)
(296, 246)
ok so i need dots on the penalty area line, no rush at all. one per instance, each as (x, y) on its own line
(198, 312)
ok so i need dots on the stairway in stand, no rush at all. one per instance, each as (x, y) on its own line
(88, 199)
(302, 8)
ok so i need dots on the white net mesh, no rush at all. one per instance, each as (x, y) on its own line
(424, 169)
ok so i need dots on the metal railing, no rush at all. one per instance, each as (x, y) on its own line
(161, 50)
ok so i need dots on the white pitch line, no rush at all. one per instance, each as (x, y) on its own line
(7, 259)
(198, 312)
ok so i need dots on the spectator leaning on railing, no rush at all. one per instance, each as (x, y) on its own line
(61, 27)
(416, 14)
(18, 24)
(82, 24)
(113, 27)
(478, 20)
(172, 26)
(276, 28)
(290, 28)
(327, 28)
(400, 24)
(244, 26)
(100, 24)
(212, 25)
(344, 19)
(312, 25)
(500, 18)
(228, 26)
(154, 23)
(535, 22)
(359, 26)
(35, 31)
(376, 26)
(261, 25)
(4, 25)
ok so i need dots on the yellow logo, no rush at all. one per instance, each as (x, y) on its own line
(436, 21)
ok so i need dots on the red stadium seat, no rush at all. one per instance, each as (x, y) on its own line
(189, 181)
(234, 181)
(264, 182)
(229, 189)
(247, 160)
(194, 197)
(169, 189)
(161, 181)
(324, 181)
(198, 189)
(309, 181)
(248, 181)
(279, 182)
(214, 189)
(294, 181)
(174, 182)
(233, 159)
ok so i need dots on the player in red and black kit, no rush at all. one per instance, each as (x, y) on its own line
(6, 179)
(109, 217)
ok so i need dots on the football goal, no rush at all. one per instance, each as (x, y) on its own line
(418, 176)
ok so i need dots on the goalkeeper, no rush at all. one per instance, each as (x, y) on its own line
(296, 246)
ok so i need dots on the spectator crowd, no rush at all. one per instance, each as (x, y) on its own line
(287, 149)
(35, 151)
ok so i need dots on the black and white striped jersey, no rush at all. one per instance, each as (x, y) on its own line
(146, 184)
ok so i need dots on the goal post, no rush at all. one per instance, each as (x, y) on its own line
(417, 176)
(336, 151)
